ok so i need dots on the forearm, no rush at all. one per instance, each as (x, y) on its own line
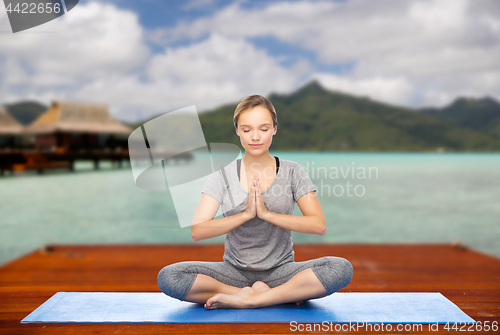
(308, 224)
(216, 227)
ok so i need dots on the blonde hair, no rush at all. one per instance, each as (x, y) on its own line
(254, 101)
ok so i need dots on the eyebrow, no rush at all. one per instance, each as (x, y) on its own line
(264, 124)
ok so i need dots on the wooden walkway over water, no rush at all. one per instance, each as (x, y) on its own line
(468, 278)
(40, 161)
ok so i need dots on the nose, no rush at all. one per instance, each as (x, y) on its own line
(255, 136)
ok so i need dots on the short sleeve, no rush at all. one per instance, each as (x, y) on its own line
(215, 186)
(301, 183)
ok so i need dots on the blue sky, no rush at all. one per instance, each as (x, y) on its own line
(153, 56)
(168, 13)
(155, 14)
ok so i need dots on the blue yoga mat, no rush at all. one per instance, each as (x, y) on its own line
(338, 307)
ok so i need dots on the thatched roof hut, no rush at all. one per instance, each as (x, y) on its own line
(9, 125)
(75, 117)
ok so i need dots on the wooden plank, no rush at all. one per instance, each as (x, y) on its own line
(468, 278)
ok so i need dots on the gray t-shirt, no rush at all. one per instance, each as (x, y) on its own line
(257, 244)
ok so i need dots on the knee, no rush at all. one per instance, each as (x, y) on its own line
(342, 269)
(168, 279)
(346, 270)
(163, 278)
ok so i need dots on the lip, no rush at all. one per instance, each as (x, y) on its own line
(255, 145)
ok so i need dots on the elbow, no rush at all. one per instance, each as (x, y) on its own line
(322, 228)
(195, 235)
(199, 231)
(194, 238)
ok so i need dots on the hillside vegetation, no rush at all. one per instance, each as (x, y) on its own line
(315, 119)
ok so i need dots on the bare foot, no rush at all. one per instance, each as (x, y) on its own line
(238, 300)
(242, 299)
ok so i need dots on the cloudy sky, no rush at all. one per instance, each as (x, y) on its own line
(153, 56)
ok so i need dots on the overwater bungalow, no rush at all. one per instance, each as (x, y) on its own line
(77, 127)
(11, 131)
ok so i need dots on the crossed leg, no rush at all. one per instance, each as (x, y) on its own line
(304, 285)
(206, 287)
(260, 286)
(212, 283)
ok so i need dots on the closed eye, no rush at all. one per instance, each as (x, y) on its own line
(246, 131)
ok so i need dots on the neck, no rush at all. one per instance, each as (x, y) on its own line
(263, 160)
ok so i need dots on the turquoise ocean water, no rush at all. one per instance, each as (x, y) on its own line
(390, 197)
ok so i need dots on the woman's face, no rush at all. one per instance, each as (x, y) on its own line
(255, 126)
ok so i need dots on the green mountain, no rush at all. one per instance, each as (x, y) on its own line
(315, 119)
(477, 114)
(25, 112)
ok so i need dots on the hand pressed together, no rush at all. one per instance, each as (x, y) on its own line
(256, 204)
(257, 207)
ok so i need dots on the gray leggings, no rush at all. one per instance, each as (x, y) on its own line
(176, 280)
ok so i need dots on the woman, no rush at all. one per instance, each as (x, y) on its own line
(257, 195)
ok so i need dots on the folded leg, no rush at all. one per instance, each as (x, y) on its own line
(334, 273)
(291, 282)
(198, 281)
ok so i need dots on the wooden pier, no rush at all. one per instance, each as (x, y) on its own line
(24, 160)
(40, 161)
(468, 278)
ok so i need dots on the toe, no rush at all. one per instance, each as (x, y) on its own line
(210, 303)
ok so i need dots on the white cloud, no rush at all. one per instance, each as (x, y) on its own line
(221, 59)
(98, 53)
(423, 52)
(396, 90)
(428, 44)
(93, 41)
(215, 71)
